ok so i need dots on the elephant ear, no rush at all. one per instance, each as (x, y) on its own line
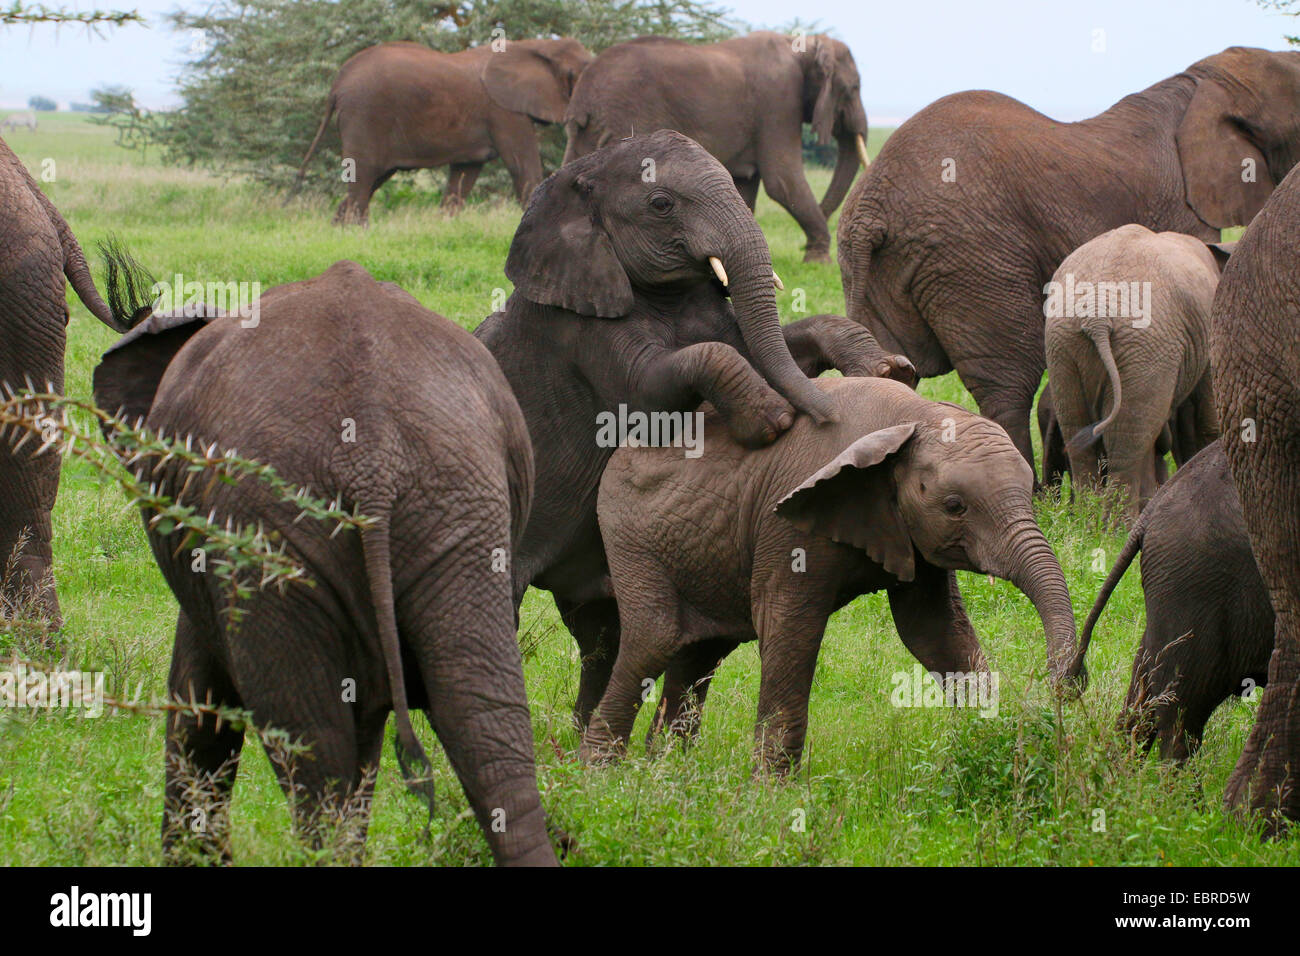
(523, 80)
(821, 77)
(852, 500)
(129, 373)
(561, 255)
(1213, 147)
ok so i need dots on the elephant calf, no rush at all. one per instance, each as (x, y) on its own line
(896, 493)
(1127, 339)
(353, 389)
(1209, 623)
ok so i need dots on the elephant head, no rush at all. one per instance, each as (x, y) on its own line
(957, 493)
(647, 218)
(1240, 134)
(535, 77)
(833, 105)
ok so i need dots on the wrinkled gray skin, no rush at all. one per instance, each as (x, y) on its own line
(1209, 625)
(702, 552)
(744, 100)
(1254, 329)
(38, 255)
(951, 273)
(1118, 379)
(615, 303)
(404, 106)
(410, 609)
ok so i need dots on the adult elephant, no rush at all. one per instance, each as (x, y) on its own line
(404, 106)
(355, 390)
(945, 247)
(620, 306)
(38, 252)
(744, 100)
(1256, 368)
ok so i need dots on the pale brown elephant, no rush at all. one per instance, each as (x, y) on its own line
(766, 543)
(405, 106)
(945, 246)
(1127, 337)
(744, 100)
(1254, 331)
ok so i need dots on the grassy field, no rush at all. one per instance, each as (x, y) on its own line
(880, 785)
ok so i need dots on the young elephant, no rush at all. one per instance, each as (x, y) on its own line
(766, 544)
(1209, 624)
(649, 293)
(354, 390)
(1127, 340)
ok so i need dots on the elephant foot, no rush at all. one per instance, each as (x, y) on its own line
(761, 422)
(1264, 781)
(817, 255)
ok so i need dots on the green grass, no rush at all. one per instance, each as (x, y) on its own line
(880, 785)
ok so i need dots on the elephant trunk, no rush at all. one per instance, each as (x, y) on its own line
(748, 267)
(1029, 563)
(852, 152)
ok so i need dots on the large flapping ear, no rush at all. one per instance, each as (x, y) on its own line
(820, 75)
(1226, 176)
(561, 255)
(524, 80)
(129, 373)
(852, 500)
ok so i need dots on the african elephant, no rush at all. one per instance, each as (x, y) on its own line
(1209, 626)
(621, 303)
(945, 246)
(1254, 328)
(1127, 344)
(404, 106)
(745, 100)
(743, 544)
(37, 253)
(15, 120)
(353, 389)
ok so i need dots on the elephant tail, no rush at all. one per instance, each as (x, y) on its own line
(1086, 436)
(410, 753)
(1131, 547)
(330, 105)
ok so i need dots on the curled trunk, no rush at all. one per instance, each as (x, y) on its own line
(846, 167)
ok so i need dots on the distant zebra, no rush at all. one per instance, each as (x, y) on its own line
(14, 120)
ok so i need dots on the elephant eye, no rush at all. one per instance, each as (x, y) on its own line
(661, 202)
(954, 505)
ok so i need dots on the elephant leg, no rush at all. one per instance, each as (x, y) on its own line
(460, 180)
(516, 143)
(355, 208)
(647, 646)
(789, 640)
(595, 626)
(822, 342)
(788, 187)
(1205, 419)
(933, 625)
(748, 189)
(686, 685)
(463, 637)
(202, 757)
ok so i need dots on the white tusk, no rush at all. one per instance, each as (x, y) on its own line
(776, 281)
(862, 152)
(718, 271)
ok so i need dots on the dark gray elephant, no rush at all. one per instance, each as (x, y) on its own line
(1126, 354)
(945, 246)
(1254, 329)
(354, 390)
(744, 100)
(1209, 624)
(620, 303)
(38, 254)
(765, 544)
(404, 106)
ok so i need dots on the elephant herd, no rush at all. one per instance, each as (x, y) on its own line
(986, 238)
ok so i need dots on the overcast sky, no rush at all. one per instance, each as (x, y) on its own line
(1068, 59)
